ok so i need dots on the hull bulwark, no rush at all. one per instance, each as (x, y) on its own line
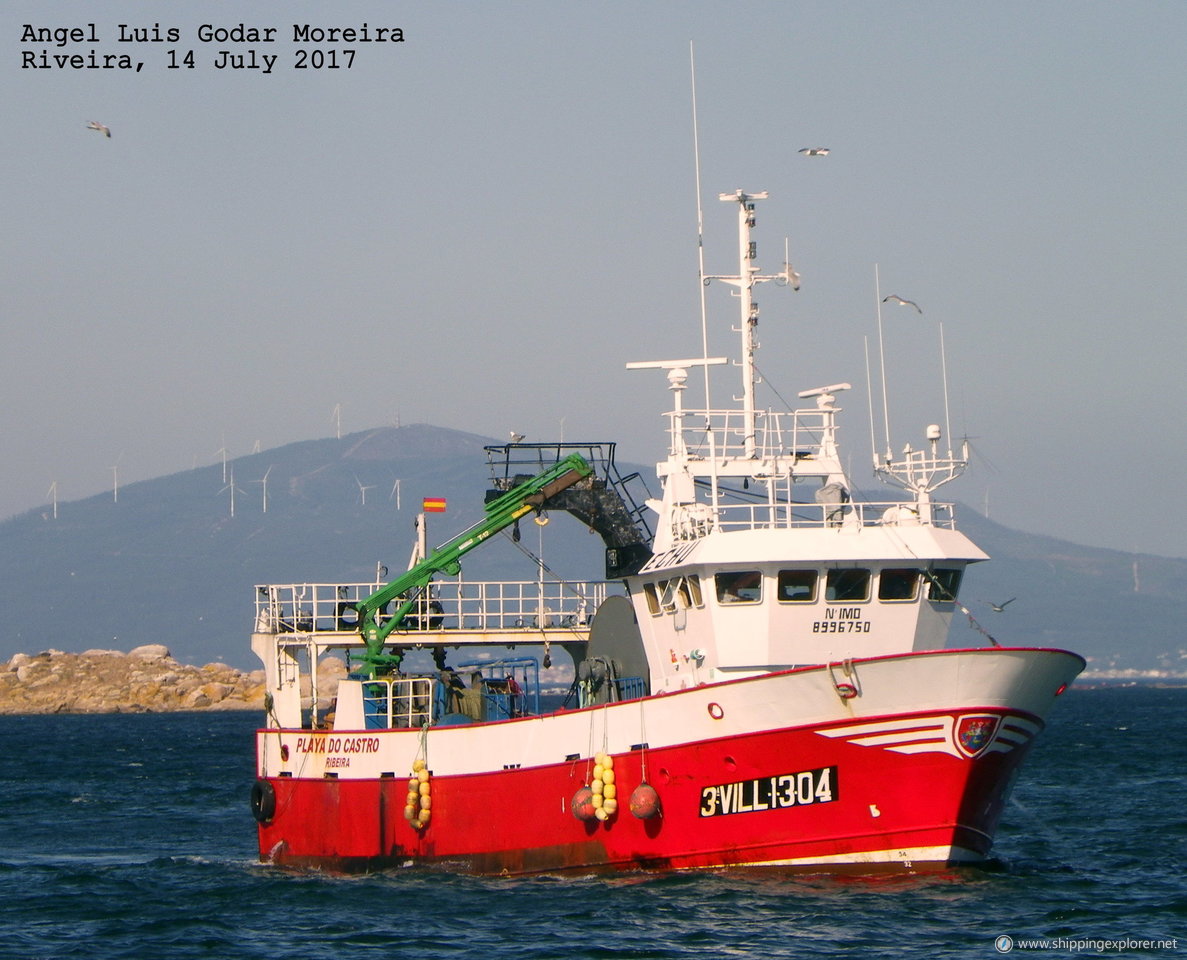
(776, 770)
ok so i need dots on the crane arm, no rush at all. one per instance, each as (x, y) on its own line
(501, 513)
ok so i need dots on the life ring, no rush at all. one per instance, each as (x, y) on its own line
(263, 801)
(846, 691)
(715, 711)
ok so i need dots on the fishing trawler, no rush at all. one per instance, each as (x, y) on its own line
(762, 676)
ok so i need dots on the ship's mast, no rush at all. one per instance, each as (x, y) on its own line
(745, 280)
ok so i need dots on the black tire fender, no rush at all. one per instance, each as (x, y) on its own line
(263, 801)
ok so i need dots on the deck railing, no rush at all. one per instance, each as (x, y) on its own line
(722, 433)
(482, 606)
(751, 516)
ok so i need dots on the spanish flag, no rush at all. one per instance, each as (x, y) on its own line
(433, 505)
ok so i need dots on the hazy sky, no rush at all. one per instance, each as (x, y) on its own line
(478, 227)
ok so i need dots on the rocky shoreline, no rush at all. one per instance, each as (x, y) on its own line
(144, 680)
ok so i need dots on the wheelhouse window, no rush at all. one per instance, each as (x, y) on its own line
(739, 586)
(943, 585)
(898, 584)
(847, 586)
(796, 586)
(669, 595)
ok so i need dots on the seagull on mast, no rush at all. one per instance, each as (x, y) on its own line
(814, 151)
(902, 302)
(96, 125)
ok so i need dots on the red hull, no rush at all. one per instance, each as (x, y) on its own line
(765, 798)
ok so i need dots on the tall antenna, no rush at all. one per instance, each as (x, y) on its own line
(696, 152)
(882, 359)
(943, 362)
(870, 401)
(944, 373)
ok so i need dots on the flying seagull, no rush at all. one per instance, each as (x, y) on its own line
(96, 125)
(999, 607)
(902, 302)
(814, 151)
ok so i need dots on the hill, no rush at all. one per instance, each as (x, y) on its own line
(168, 563)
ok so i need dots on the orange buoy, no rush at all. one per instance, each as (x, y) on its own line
(644, 801)
(582, 804)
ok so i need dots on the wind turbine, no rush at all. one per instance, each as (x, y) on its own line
(53, 492)
(115, 478)
(231, 486)
(223, 452)
(264, 482)
(363, 489)
(395, 494)
(336, 414)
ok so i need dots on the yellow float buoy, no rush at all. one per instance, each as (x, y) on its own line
(419, 800)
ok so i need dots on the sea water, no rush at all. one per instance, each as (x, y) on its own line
(131, 837)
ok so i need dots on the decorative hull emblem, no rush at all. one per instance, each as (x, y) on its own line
(965, 736)
(975, 732)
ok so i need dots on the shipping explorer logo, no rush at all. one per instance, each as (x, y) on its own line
(974, 733)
